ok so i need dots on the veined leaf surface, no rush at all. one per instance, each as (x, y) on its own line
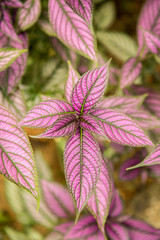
(82, 8)
(99, 201)
(72, 79)
(28, 14)
(82, 162)
(46, 113)
(71, 29)
(117, 231)
(120, 128)
(152, 41)
(8, 56)
(17, 160)
(90, 88)
(13, 3)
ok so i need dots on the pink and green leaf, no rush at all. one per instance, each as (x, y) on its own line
(99, 202)
(82, 162)
(116, 206)
(82, 8)
(116, 231)
(17, 159)
(71, 29)
(58, 199)
(46, 113)
(89, 89)
(152, 41)
(13, 3)
(119, 128)
(29, 14)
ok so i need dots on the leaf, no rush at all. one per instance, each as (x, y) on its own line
(14, 235)
(13, 3)
(8, 56)
(71, 29)
(55, 236)
(116, 206)
(116, 231)
(130, 72)
(46, 113)
(89, 89)
(105, 15)
(141, 230)
(99, 201)
(114, 74)
(119, 128)
(123, 103)
(17, 160)
(6, 25)
(86, 228)
(10, 77)
(149, 20)
(28, 14)
(152, 41)
(82, 8)
(64, 126)
(58, 200)
(64, 227)
(46, 27)
(72, 79)
(119, 44)
(82, 161)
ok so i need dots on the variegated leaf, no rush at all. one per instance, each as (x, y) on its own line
(13, 3)
(46, 113)
(8, 56)
(119, 128)
(72, 79)
(17, 160)
(6, 25)
(99, 201)
(58, 200)
(28, 14)
(82, 8)
(90, 88)
(116, 231)
(130, 72)
(64, 126)
(152, 41)
(82, 161)
(71, 29)
(119, 44)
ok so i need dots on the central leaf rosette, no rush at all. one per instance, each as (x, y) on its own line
(80, 118)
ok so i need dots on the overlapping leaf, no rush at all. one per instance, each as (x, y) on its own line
(82, 161)
(120, 128)
(8, 56)
(71, 29)
(72, 79)
(82, 8)
(152, 41)
(130, 72)
(17, 160)
(99, 201)
(116, 206)
(13, 3)
(89, 89)
(46, 113)
(29, 13)
(58, 199)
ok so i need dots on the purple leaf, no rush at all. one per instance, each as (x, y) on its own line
(82, 161)
(149, 20)
(151, 159)
(64, 227)
(121, 103)
(86, 228)
(8, 56)
(141, 230)
(28, 14)
(155, 170)
(130, 71)
(13, 3)
(71, 29)
(17, 161)
(116, 206)
(120, 128)
(64, 126)
(46, 113)
(58, 199)
(72, 79)
(6, 26)
(116, 231)
(152, 41)
(10, 77)
(130, 174)
(82, 8)
(89, 89)
(99, 201)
